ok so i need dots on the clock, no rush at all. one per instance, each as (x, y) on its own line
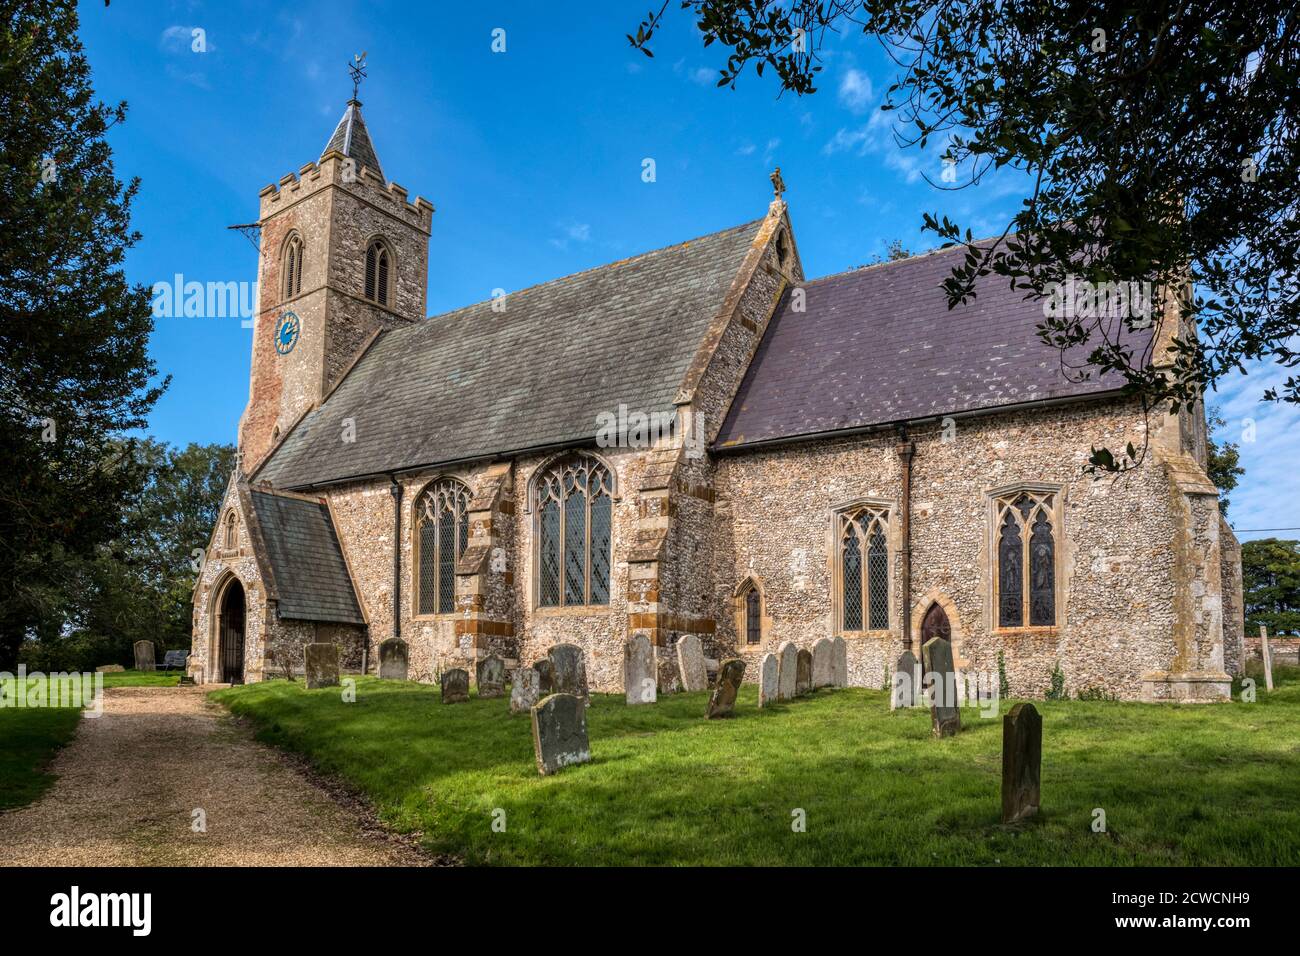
(286, 334)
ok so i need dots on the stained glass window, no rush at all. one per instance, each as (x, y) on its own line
(442, 532)
(574, 533)
(1026, 560)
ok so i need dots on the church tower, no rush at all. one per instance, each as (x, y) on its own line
(343, 255)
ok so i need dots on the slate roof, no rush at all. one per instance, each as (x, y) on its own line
(879, 345)
(476, 383)
(307, 563)
(351, 138)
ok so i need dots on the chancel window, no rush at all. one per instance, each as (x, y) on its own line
(574, 519)
(378, 266)
(1026, 535)
(863, 536)
(291, 267)
(442, 532)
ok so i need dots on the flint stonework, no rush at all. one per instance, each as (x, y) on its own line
(1022, 761)
(560, 733)
(723, 699)
(455, 686)
(788, 671)
(144, 655)
(940, 681)
(569, 670)
(803, 673)
(640, 681)
(769, 687)
(321, 665)
(690, 663)
(394, 659)
(490, 674)
(525, 690)
(823, 662)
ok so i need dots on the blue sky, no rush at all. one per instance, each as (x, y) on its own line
(532, 158)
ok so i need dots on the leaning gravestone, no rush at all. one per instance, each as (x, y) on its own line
(769, 687)
(1022, 762)
(840, 662)
(490, 674)
(823, 662)
(455, 686)
(560, 733)
(640, 681)
(525, 690)
(787, 672)
(803, 673)
(690, 663)
(394, 659)
(569, 671)
(144, 659)
(545, 675)
(723, 699)
(905, 682)
(320, 665)
(941, 687)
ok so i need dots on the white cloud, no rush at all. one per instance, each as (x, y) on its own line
(571, 232)
(746, 150)
(704, 76)
(855, 91)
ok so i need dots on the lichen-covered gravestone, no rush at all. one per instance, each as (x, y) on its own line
(545, 676)
(525, 690)
(455, 686)
(788, 671)
(560, 733)
(491, 677)
(394, 659)
(723, 699)
(905, 682)
(690, 663)
(568, 670)
(769, 670)
(1022, 761)
(823, 663)
(144, 656)
(640, 681)
(803, 673)
(941, 687)
(321, 665)
(840, 662)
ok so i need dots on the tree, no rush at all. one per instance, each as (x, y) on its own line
(75, 374)
(1159, 144)
(1222, 460)
(894, 250)
(1270, 570)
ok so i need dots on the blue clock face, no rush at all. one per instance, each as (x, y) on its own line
(286, 336)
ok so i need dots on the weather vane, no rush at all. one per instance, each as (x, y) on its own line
(358, 70)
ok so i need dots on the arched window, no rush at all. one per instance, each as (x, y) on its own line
(863, 536)
(232, 532)
(291, 267)
(753, 617)
(441, 533)
(379, 263)
(1026, 559)
(574, 517)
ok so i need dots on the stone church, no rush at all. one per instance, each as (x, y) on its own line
(694, 440)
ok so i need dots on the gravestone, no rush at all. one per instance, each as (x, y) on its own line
(525, 690)
(640, 682)
(545, 676)
(110, 668)
(941, 687)
(1267, 653)
(905, 683)
(769, 687)
(690, 663)
(568, 671)
(320, 665)
(823, 663)
(787, 671)
(144, 659)
(560, 733)
(723, 699)
(840, 662)
(1022, 762)
(490, 675)
(803, 673)
(455, 686)
(394, 659)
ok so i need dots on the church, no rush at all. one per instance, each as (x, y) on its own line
(697, 440)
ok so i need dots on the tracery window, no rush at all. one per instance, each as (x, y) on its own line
(574, 517)
(378, 267)
(291, 267)
(442, 532)
(863, 536)
(1026, 535)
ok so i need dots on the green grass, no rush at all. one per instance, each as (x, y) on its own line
(143, 679)
(1180, 785)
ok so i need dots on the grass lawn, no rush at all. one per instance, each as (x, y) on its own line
(143, 679)
(1206, 784)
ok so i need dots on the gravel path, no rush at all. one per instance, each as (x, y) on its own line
(130, 781)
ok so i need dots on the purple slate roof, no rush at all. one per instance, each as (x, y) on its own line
(879, 345)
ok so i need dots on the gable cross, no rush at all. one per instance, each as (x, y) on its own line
(778, 184)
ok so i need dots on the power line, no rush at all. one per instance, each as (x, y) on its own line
(1259, 530)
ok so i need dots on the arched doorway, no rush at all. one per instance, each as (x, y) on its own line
(935, 624)
(230, 631)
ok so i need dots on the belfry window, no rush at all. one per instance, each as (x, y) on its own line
(441, 534)
(574, 520)
(863, 568)
(291, 267)
(378, 268)
(1026, 532)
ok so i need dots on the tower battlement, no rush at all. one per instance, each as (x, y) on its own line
(335, 169)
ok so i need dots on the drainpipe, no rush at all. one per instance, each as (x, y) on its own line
(396, 489)
(906, 449)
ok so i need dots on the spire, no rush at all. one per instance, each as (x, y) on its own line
(351, 138)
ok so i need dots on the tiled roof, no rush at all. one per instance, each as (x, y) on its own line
(351, 138)
(311, 577)
(477, 382)
(879, 345)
